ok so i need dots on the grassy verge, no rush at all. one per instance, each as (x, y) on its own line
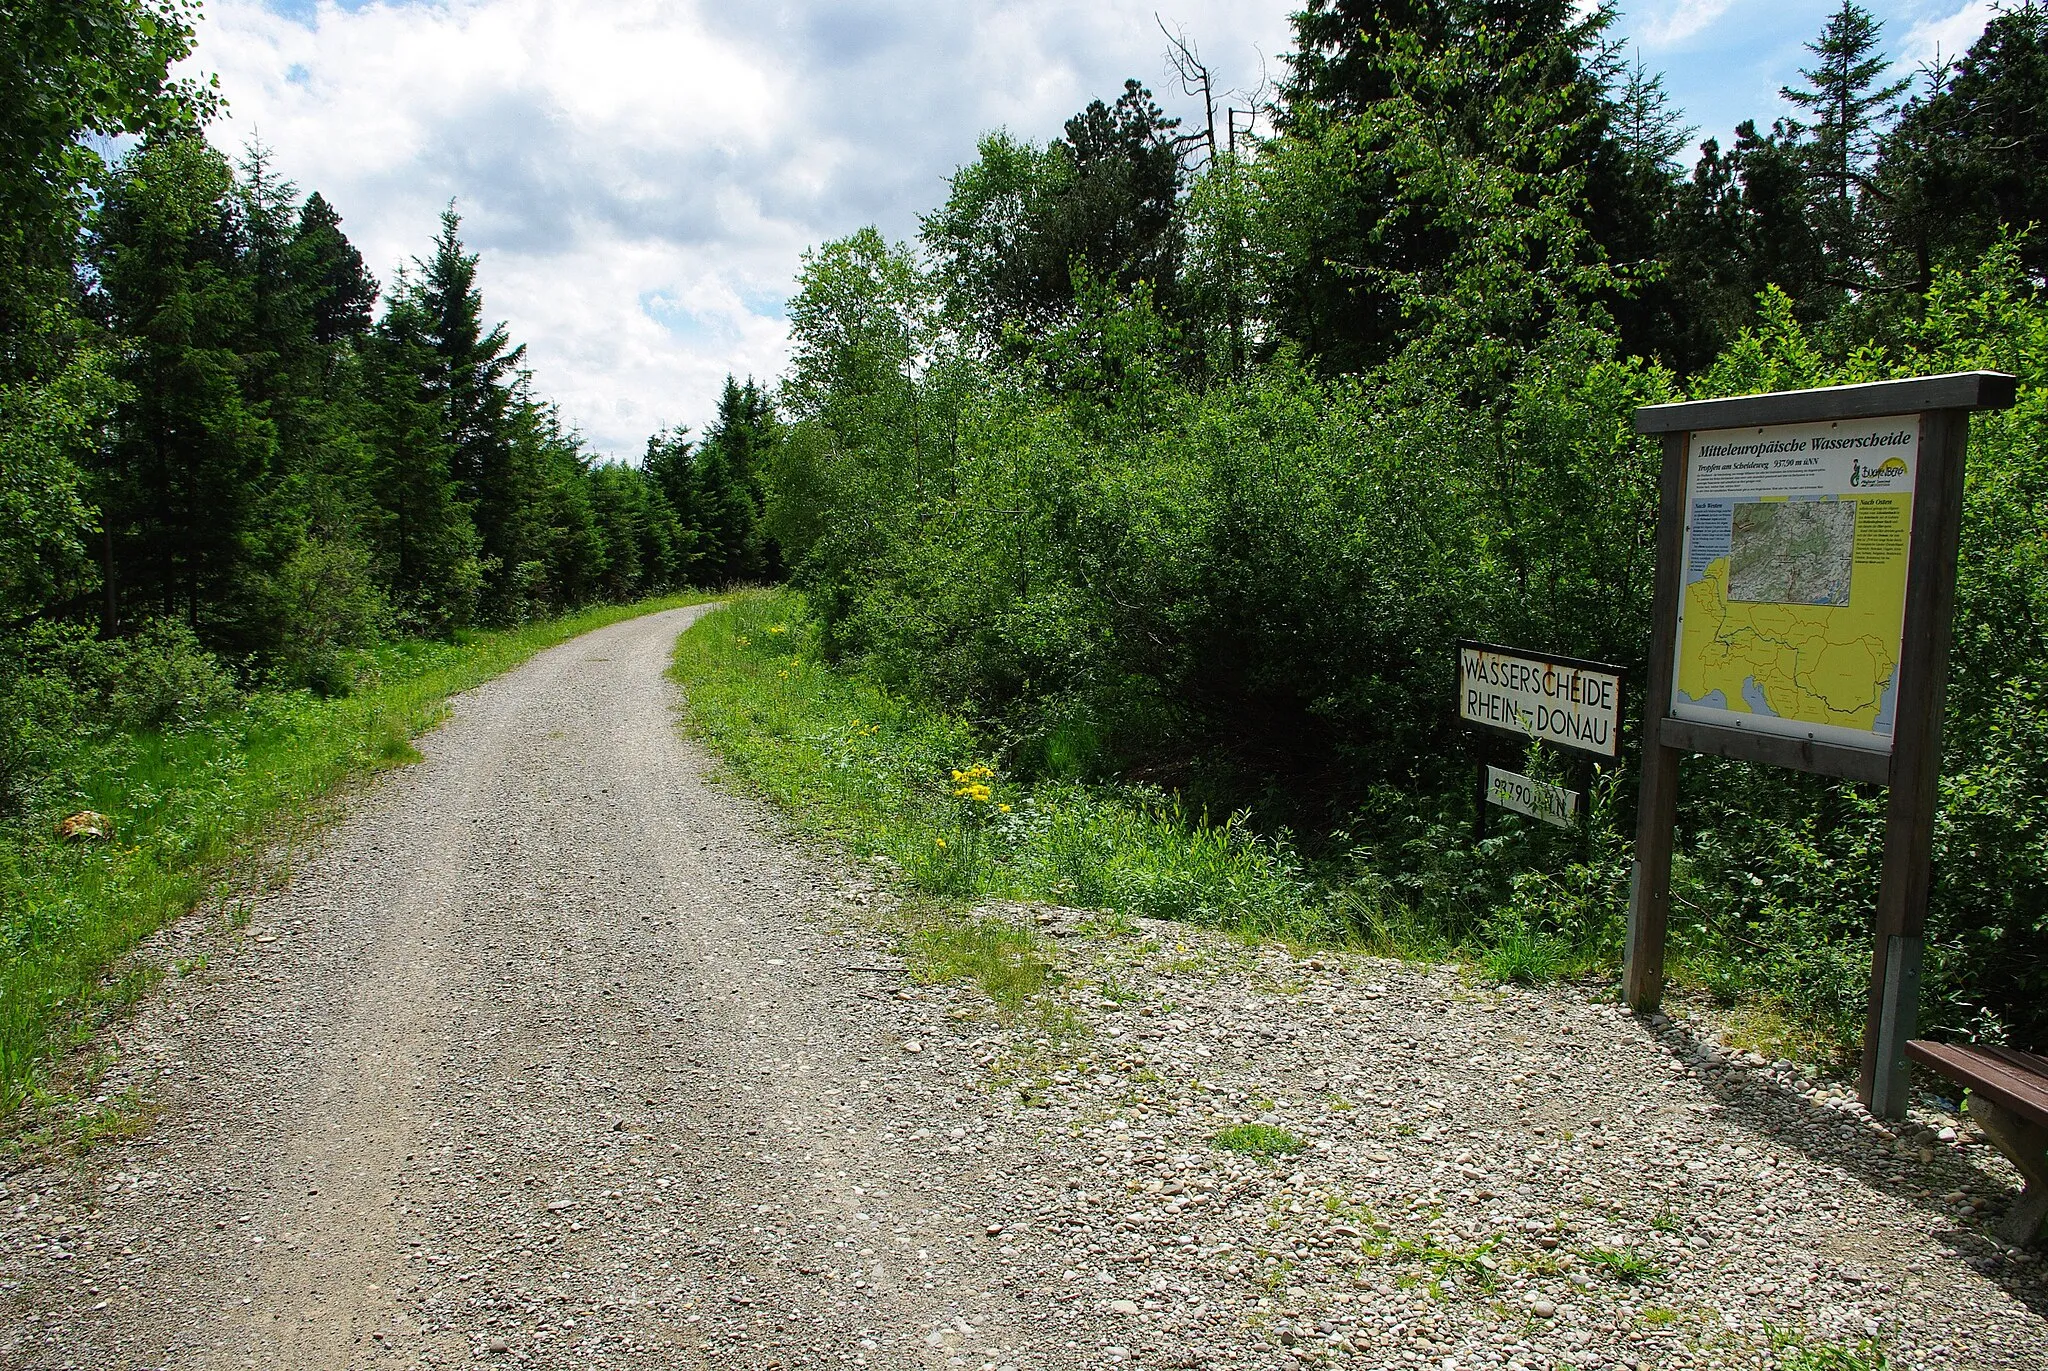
(885, 777)
(852, 763)
(195, 814)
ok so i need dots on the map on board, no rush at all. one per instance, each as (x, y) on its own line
(1795, 579)
(1792, 552)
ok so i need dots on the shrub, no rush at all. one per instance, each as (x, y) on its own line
(326, 602)
(157, 678)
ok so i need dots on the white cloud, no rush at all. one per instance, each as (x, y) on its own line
(1675, 21)
(1945, 36)
(641, 177)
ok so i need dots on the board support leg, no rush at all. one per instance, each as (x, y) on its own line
(1907, 868)
(1898, 1014)
(1649, 900)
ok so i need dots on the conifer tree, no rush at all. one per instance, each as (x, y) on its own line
(427, 546)
(473, 375)
(184, 475)
(341, 288)
(1851, 106)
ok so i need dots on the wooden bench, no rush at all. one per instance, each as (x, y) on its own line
(2009, 1101)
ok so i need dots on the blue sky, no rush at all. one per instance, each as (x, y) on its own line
(642, 176)
(1725, 60)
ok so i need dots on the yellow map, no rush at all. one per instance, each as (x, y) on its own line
(1800, 617)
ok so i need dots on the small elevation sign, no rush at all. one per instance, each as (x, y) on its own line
(1558, 700)
(1553, 804)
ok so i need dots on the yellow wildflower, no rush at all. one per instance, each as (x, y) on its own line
(940, 841)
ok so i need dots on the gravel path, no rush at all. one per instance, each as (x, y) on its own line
(555, 1055)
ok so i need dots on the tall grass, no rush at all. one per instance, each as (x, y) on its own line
(850, 761)
(195, 812)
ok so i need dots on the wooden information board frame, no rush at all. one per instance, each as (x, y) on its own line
(1943, 405)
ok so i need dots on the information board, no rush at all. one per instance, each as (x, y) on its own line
(1793, 601)
(1553, 804)
(1557, 699)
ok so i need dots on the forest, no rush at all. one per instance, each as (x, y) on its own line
(1176, 460)
(1169, 461)
(230, 457)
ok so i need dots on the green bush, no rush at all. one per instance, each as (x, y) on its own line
(1245, 594)
(326, 603)
(158, 677)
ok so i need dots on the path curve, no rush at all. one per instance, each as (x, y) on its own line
(547, 1053)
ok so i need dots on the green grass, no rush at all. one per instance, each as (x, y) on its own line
(1257, 1140)
(200, 814)
(1002, 958)
(854, 763)
(1524, 957)
(1796, 1352)
(1626, 1265)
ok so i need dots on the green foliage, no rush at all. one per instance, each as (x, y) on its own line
(1968, 160)
(1849, 102)
(48, 432)
(73, 74)
(1257, 1140)
(325, 601)
(1022, 226)
(1234, 590)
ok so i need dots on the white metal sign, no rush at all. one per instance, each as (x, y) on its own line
(1557, 699)
(1553, 804)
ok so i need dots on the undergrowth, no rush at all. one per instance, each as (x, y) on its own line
(889, 777)
(885, 778)
(201, 811)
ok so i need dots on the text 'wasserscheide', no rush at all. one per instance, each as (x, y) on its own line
(1570, 704)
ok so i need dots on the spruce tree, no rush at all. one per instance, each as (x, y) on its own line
(342, 292)
(472, 376)
(183, 478)
(427, 545)
(727, 519)
(1851, 106)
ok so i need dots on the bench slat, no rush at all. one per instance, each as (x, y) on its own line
(2025, 1061)
(2008, 1077)
(1968, 1062)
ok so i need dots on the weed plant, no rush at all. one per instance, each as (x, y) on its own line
(197, 809)
(1257, 1140)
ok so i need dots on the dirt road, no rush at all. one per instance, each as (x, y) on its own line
(553, 1054)
(545, 1054)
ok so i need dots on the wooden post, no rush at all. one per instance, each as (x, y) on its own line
(1916, 763)
(1482, 747)
(1649, 901)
